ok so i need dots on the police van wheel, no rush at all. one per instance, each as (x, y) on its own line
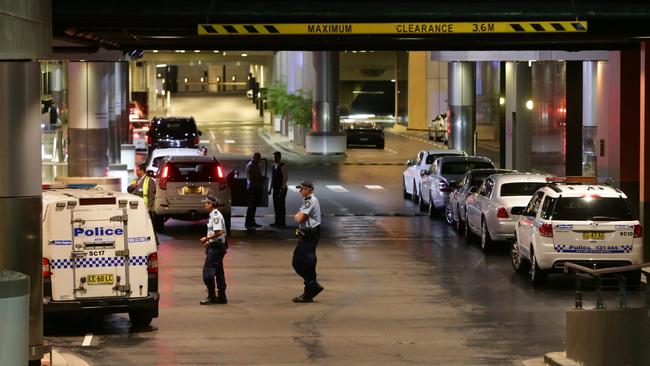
(159, 223)
(141, 318)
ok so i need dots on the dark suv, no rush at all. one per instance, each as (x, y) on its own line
(165, 132)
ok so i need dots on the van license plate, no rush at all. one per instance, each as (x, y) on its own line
(593, 235)
(100, 279)
(192, 190)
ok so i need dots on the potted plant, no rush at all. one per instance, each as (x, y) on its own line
(278, 101)
(300, 111)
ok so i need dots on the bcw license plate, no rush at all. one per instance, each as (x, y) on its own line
(593, 235)
(100, 279)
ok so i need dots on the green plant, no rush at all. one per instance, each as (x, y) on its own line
(299, 108)
(278, 99)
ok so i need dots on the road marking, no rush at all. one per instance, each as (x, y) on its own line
(230, 141)
(87, 339)
(293, 188)
(374, 186)
(204, 141)
(336, 188)
(219, 148)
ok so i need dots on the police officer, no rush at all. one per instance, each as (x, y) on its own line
(215, 250)
(279, 177)
(143, 186)
(308, 232)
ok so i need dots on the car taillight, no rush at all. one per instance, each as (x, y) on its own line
(502, 213)
(163, 177)
(149, 140)
(546, 230)
(219, 172)
(46, 268)
(196, 140)
(152, 264)
(638, 231)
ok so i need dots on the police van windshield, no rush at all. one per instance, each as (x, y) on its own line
(591, 208)
(192, 172)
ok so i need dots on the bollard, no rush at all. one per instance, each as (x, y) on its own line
(14, 316)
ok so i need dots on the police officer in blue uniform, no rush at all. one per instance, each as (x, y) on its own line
(215, 249)
(304, 256)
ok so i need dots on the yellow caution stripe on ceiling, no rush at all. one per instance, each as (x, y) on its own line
(293, 29)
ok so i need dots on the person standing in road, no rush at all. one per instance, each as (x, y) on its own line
(279, 177)
(215, 249)
(255, 188)
(144, 186)
(308, 232)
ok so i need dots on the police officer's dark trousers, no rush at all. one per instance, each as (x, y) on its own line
(213, 269)
(279, 199)
(304, 257)
(254, 195)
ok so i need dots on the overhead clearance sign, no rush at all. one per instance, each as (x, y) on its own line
(293, 29)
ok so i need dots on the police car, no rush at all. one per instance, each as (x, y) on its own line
(99, 254)
(575, 219)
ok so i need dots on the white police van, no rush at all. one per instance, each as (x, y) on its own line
(99, 254)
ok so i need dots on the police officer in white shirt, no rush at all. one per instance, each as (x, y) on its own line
(215, 250)
(308, 232)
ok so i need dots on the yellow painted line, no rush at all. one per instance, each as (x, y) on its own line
(406, 28)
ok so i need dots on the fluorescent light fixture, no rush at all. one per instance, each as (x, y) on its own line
(197, 51)
(215, 51)
(155, 51)
(392, 80)
(360, 116)
(529, 105)
(244, 54)
(502, 100)
(161, 65)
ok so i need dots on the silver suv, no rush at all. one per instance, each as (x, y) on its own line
(183, 181)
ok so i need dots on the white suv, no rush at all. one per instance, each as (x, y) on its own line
(588, 224)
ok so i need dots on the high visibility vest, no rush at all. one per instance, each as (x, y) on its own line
(145, 189)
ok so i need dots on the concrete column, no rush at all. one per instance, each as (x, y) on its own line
(518, 130)
(88, 132)
(630, 128)
(589, 117)
(462, 106)
(20, 185)
(417, 90)
(113, 134)
(325, 137)
(122, 100)
(644, 141)
(574, 117)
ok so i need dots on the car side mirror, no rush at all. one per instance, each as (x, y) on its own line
(517, 210)
(409, 163)
(473, 190)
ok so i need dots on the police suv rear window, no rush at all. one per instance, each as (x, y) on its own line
(520, 189)
(192, 172)
(592, 208)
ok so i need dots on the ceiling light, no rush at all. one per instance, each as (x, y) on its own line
(529, 105)
(197, 51)
(215, 51)
(502, 100)
(244, 54)
(155, 51)
(161, 65)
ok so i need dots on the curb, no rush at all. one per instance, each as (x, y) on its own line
(559, 359)
(370, 214)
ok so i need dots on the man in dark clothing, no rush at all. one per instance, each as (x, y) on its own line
(255, 187)
(279, 177)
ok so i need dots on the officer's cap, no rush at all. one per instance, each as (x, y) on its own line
(307, 184)
(211, 199)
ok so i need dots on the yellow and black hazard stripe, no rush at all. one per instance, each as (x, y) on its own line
(416, 28)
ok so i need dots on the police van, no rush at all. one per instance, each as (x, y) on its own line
(99, 253)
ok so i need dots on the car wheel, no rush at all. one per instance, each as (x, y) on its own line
(432, 209)
(537, 275)
(140, 318)
(406, 194)
(486, 241)
(414, 195)
(448, 217)
(518, 263)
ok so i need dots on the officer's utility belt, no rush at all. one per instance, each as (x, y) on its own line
(308, 232)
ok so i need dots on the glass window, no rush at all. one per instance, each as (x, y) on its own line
(489, 186)
(592, 208)
(460, 167)
(193, 172)
(432, 157)
(547, 208)
(176, 127)
(533, 205)
(520, 189)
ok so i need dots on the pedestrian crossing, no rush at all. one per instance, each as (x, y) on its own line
(341, 189)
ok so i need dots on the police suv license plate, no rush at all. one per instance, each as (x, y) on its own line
(192, 190)
(100, 279)
(593, 235)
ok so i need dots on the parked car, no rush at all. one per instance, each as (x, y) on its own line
(438, 128)
(435, 184)
(488, 210)
(138, 129)
(167, 132)
(183, 182)
(364, 134)
(415, 169)
(157, 157)
(588, 224)
(455, 209)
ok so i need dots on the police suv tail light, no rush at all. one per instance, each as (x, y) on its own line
(546, 230)
(164, 176)
(219, 172)
(638, 231)
(152, 265)
(502, 213)
(196, 140)
(46, 268)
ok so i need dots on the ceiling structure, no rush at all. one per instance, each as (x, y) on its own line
(172, 24)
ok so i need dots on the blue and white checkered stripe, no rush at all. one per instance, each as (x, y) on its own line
(99, 262)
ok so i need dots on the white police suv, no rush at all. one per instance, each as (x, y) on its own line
(574, 219)
(99, 254)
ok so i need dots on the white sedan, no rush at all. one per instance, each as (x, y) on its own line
(412, 175)
(488, 210)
